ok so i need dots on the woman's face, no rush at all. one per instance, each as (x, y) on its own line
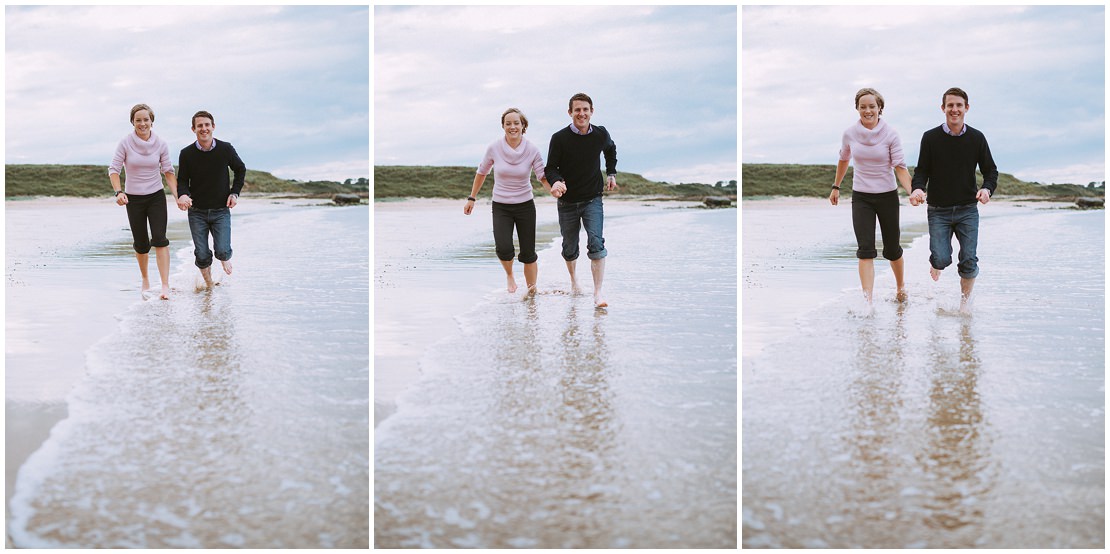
(868, 108)
(514, 129)
(142, 123)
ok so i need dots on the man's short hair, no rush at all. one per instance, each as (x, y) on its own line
(201, 113)
(582, 97)
(955, 91)
(138, 107)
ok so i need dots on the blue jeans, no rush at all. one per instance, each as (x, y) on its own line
(218, 223)
(575, 215)
(964, 222)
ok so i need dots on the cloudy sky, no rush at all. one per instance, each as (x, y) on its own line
(1034, 77)
(289, 86)
(663, 81)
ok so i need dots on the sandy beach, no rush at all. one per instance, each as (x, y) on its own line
(544, 422)
(74, 323)
(910, 424)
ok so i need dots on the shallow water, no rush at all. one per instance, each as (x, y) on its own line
(912, 425)
(545, 423)
(231, 417)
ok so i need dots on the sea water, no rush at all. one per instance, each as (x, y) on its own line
(913, 424)
(547, 423)
(235, 416)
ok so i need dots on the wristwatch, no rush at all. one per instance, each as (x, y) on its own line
(471, 198)
(118, 192)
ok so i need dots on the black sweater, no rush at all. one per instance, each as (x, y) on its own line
(573, 159)
(203, 175)
(946, 167)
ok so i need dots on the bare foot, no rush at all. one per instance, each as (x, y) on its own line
(574, 288)
(599, 303)
(510, 284)
(901, 296)
(146, 287)
(227, 266)
(207, 274)
(165, 292)
(935, 273)
(529, 293)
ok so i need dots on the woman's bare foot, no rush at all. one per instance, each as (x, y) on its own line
(146, 287)
(599, 303)
(510, 284)
(165, 292)
(529, 292)
(901, 295)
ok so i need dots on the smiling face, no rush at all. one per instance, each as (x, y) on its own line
(868, 108)
(203, 127)
(580, 112)
(954, 109)
(142, 122)
(514, 127)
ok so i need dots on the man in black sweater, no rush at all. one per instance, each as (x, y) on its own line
(206, 191)
(946, 171)
(574, 172)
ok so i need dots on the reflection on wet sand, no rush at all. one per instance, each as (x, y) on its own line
(955, 461)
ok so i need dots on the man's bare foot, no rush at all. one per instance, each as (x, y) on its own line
(227, 266)
(165, 292)
(207, 274)
(935, 273)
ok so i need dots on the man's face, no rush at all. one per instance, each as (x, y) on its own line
(954, 110)
(580, 112)
(203, 127)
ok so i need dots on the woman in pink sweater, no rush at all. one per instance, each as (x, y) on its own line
(513, 159)
(145, 158)
(876, 149)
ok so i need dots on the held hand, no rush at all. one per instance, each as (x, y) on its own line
(834, 197)
(918, 197)
(983, 196)
(184, 202)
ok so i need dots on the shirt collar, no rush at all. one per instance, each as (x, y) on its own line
(575, 129)
(949, 131)
(210, 149)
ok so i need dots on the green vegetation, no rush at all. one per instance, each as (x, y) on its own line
(92, 181)
(456, 181)
(816, 180)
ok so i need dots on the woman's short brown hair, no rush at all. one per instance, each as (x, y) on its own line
(523, 120)
(139, 107)
(878, 97)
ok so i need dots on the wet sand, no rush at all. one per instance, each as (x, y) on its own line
(911, 425)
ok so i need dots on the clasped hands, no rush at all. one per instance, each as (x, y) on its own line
(559, 188)
(184, 202)
(917, 198)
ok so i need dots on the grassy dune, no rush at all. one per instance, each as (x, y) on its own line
(816, 180)
(92, 181)
(396, 181)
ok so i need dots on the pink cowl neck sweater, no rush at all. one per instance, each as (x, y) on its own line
(512, 169)
(876, 152)
(145, 161)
